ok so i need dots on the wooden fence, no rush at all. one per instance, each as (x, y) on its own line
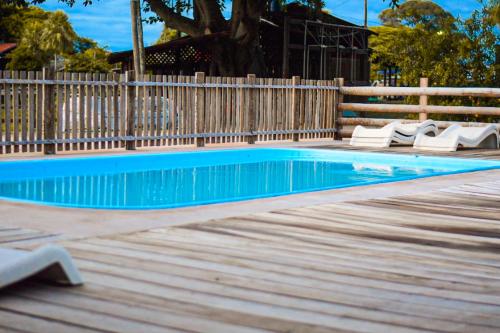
(40, 111)
(43, 112)
(345, 124)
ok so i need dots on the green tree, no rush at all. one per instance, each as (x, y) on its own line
(13, 19)
(29, 54)
(478, 44)
(416, 12)
(450, 52)
(41, 35)
(40, 40)
(58, 35)
(94, 59)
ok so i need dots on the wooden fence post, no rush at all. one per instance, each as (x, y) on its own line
(251, 109)
(199, 108)
(424, 83)
(49, 110)
(339, 82)
(131, 111)
(296, 107)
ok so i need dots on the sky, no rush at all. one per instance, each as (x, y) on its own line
(108, 21)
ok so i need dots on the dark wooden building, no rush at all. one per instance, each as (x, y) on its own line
(294, 40)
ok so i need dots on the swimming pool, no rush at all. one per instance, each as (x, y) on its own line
(167, 180)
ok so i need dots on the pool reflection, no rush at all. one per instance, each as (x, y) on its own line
(198, 185)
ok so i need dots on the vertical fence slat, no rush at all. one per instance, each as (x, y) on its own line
(88, 110)
(74, 109)
(60, 115)
(116, 110)
(15, 110)
(146, 104)
(24, 111)
(172, 117)
(49, 129)
(199, 108)
(123, 107)
(95, 110)
(424, 83)
(81, 109)
(109, 110)
(339, 98)
(102, 110)
(152, 110)
(129, 77)
(158, 110)
(67, 110)
(164, 110)
(140, 96)
(252, 114)
(208, 110)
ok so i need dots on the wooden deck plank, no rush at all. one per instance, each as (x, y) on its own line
(10, 236)
(14, 321)
(464, 153)
(133, 311)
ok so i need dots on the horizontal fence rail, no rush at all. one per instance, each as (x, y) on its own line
(417, 91)
(43, 111)
(166, 84)
(345, 124)
(437, 109)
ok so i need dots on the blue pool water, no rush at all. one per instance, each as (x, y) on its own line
(151, 181)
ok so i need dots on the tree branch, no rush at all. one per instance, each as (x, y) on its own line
(210, 13)
(174, 20)
(245, 18)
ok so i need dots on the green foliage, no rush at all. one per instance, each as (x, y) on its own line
(167, 35)
(13, 19)
(478, 44)
(41, 35)
(82, 44)
(449, 51)
(416, 12)
(58, 35)
(29, 54)
(91, 60)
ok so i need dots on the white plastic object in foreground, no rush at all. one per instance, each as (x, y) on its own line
(50, 262)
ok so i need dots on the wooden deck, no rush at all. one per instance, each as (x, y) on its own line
(486, 154)
(400, 264)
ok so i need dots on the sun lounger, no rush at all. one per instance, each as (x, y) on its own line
(50, 262)
(394, 132)
(456, 135)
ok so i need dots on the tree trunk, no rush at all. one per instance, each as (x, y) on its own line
(235, 59)
(237, 54)
(137, 38)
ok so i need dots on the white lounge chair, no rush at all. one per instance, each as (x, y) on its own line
(49, 262)
(394, 132)
(454, 136)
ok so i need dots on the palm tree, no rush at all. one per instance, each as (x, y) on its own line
(57, 35)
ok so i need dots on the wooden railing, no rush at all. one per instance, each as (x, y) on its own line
(63, 112)
(345, 124)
